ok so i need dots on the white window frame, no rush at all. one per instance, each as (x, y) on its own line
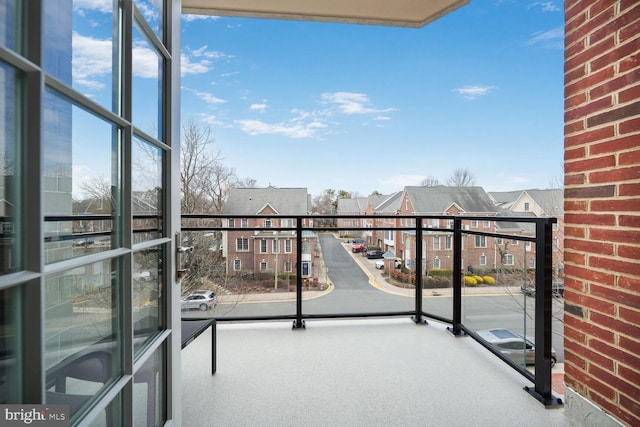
(287, 246)
(486, 224)
(436, 262)
(244, 223)
(482, 241)
(508, 259)
(448, 243)
(275, 246)
(436, 243)
(264, 266)
(232, 222)
(263, 246)
(241, 248)
(483, 259)
(268, 223)
(287, 266)
(237, 264)
(474, 223)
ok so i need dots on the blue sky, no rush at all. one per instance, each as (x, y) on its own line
(365, 108)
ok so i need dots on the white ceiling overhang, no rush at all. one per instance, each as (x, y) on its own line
(400, 13)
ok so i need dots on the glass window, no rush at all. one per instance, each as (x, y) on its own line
(242, 244)
(10, 354)
(486, 224)
(448, 242)
(152, 11)
(244, 223)
(146, 190)
(146, 86)
(287, 246)
(9, 24)
(237, 264)
(82, 349)
(263, 246)
(79, 49)
(263, 266)
(275, 246)
(436, 243)
(436, 263)
(231, 223)
(10, 235)
(483, 260)
(508, 259)
(474, 223)
(481, 241)
(81, 181)
(148, 299)
(267, 223)
(149, 387)
(287, 266)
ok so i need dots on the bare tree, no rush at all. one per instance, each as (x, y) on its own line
(461, 177)
(430, 182)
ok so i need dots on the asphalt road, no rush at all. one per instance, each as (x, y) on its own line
(353, 294)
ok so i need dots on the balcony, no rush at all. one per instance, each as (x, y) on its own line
(353, 372)
(412, 350)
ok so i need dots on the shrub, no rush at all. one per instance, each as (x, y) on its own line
(489, 280)
(436, 282)
(446, 272)
(470, 281)
(478, 279)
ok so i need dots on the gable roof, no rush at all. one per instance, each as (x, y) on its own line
(436, 200)
(356, 205)
(551, 201)
(386, 204)
(250, 201)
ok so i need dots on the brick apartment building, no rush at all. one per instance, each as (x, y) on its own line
(255, 247)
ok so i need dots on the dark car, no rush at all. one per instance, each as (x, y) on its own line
(374, 253)
(557, 289)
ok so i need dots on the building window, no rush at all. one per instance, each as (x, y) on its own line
(263, 246)
(242, 244)
(481, 241)
(355, 223)
(263, 266)
(447, 242)
(527, 246)
(526, 206)
(436, 243)
(436, 262)
(287, 267)
(244, 223)
(433, 223)
(287, 246)
(486, 224)
(287, 223)
(347, 223)
(483, 259)
(474, 223)
(499, 240)
(275, 246)
(306, 247)
(267, 223)
(532, 263)
(508, 259)
(237, 264)
(514, 243)
(232, 222)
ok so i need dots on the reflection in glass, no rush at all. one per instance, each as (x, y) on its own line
(148, 299)
(9, 183)
(149, 391)
(146, 177)
(9, 18)
(82, 339)
(78, 46)
(10, 355)
(152, 12)
(146, 86)
(80, 179)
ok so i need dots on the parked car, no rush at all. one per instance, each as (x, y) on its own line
(374, 253)
(200, 300)
(357, 248)
(514, 346)
(380, 264)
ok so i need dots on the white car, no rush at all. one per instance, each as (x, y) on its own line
(380, 264)
(199, 300)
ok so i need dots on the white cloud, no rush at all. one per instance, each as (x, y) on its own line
(105, 6)
(91, 60)
(145, 62)
(295, 130)
(189, 67)
(191, 18)
(211, 54)
(473, 92)
(546, 6)
(552, 38)
(209, 98)
(403, 180)
(351, 103)
(258, 107)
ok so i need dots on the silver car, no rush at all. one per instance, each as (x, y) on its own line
(514, 346)
(200, 300)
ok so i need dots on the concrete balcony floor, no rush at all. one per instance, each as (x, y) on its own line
(373, 372)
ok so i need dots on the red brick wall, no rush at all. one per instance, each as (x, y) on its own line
(602, 204)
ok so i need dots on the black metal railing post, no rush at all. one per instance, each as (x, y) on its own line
(298, 323)
(456, 277)
(418, 287)
(544, 275)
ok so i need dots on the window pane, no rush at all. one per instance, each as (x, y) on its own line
(10, 355)
(149, 391)
(147, 195)
(9, 182)
(79, 48)
(82, 332)
(146, 86)
(9, 24)
(152, 12)
(148, 300)
(81, 181)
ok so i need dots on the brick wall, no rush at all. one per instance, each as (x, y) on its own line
(602, 204)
